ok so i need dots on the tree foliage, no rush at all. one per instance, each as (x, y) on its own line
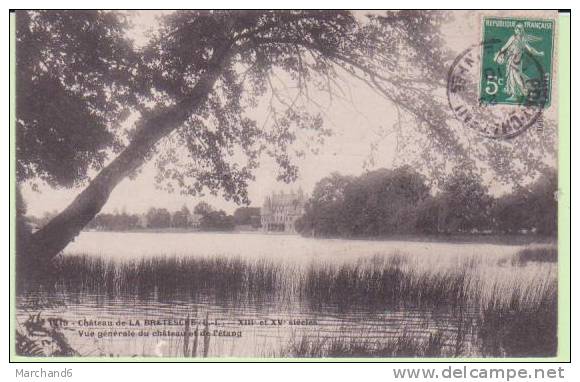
(82, 60)
(464, 203)
(386, 202)
(115, 222)
(193, 86)
(247, 216)
(79, 75)
(377, 203)
(531, 208)
(74, 74)
(217, 221)
(181, 218)
(158, 218)
(325, 212)
(203, 208)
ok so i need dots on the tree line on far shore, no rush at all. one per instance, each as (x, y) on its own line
(400, 201)
(203, 217)
(376, 204)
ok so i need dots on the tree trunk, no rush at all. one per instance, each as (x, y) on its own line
(55, 236)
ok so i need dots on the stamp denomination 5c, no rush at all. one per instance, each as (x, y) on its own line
(516, 62)
(502, 86)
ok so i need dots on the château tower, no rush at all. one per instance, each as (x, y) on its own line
(281, 210)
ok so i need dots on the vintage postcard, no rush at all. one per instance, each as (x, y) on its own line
(289, 184)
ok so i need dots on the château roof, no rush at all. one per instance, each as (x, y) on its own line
(281, 198)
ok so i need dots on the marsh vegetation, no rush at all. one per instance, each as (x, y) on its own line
(391, 304)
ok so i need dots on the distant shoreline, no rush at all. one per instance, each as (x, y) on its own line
(507, 239)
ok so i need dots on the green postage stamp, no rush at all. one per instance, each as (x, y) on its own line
(516, 62)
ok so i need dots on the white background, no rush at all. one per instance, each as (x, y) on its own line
(241, 372)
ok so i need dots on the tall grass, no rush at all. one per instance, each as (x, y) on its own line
(166, 277)
(521, 321)
(392, 283)
(509, 306)
(402, 345)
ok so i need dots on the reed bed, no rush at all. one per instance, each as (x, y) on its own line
(392, 284)
(402, 345)
(521, 322)
(510, 303)
(166, 277)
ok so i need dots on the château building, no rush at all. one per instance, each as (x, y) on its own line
(281, 210)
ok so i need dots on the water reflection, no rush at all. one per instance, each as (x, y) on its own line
(262, 296)
(267, 325)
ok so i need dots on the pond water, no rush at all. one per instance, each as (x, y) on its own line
(105, 323)
(123, 246)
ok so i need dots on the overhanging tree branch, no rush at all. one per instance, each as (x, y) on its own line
(53, 238)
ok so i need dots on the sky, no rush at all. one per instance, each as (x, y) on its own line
(356, 125)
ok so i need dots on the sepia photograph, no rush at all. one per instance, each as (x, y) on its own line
(286, 184)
